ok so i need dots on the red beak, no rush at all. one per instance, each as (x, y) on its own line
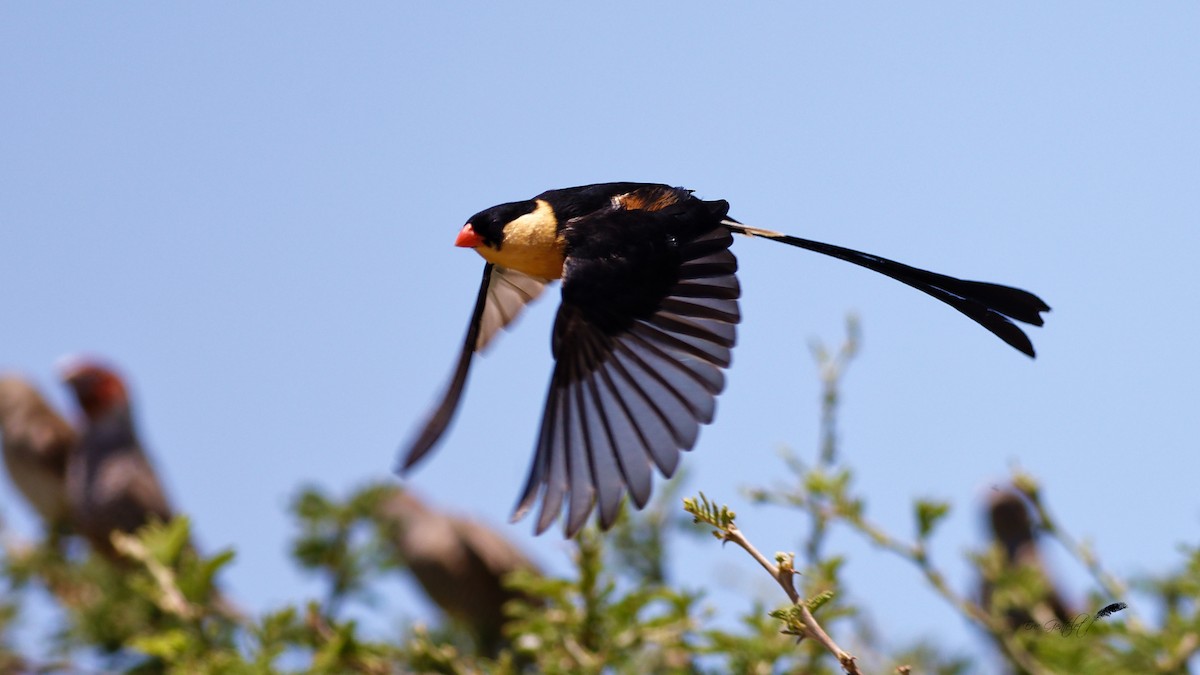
(467, 238)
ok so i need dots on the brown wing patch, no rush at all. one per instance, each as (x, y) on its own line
(649, 198)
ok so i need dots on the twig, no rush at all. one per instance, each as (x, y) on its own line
(722, 519)
(1184, 650)
(918, 555)
(784, 574)
(1081, 552)
(832, 368)
(320, 627)
(172, 599)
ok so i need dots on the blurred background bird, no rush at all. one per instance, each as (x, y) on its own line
(460, 563)
(37, 442)
(111, 484)
(1031, 598)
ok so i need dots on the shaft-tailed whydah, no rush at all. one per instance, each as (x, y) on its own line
(647, 321)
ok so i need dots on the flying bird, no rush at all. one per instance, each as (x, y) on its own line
(645, 328)
(37, 442)
(110, 481)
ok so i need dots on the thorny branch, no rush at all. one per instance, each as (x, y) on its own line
(172, 599)
(727, 531)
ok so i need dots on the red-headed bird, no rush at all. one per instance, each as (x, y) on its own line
(37, 442)
(111, 483)
(647, 321)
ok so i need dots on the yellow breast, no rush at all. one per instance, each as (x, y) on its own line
(531, 245)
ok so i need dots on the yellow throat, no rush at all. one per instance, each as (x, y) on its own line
(532, 244)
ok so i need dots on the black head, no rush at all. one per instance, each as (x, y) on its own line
(489, 223)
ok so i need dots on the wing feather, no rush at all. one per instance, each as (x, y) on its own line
(507, 295)
(502, 295)
(630, 392)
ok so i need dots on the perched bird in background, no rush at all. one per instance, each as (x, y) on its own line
(647, 321)
(110, 481)
(460, 563)
(1012, 529)
(37, 442)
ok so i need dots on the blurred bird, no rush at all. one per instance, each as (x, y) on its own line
(646, 325)
(460, 563)
(1012, 530)
(37, 442)
(110, 481)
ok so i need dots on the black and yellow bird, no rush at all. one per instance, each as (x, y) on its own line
(647, 321)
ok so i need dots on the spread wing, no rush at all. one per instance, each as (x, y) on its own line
(648, 318)
(507, 294)
(502, 295)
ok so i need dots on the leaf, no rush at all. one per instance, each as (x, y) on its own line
(929, 513)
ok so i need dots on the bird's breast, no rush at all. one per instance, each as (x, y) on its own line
(532, 244)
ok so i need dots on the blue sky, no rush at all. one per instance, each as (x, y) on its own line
(252, 210)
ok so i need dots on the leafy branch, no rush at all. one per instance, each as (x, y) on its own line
(798, 619)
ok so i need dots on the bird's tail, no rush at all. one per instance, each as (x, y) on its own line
(990, 305)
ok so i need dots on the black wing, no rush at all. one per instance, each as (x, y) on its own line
(647, 322)
(502, 295)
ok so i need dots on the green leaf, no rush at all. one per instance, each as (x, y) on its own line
(167, 645)
(929, 513)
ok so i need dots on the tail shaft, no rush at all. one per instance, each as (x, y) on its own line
(989, 305)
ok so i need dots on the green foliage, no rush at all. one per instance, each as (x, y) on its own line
(591, 625)
(929, 514)
(344, 542)
(160, 608)
(705, 511)
(639, 544)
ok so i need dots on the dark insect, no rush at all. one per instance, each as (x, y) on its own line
(1111, 609)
